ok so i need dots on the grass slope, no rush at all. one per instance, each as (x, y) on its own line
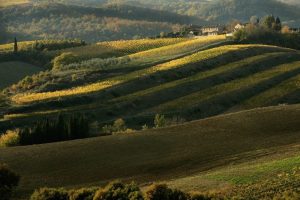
(4, 3)
(160, 154)
(12, 72)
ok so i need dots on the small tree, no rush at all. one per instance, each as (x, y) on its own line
(159, 121)
(119, 125)
(15, 45)
(8, 181)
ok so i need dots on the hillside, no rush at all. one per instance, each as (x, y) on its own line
(114, 22)
(13, 72)
(185, 153)
(223, 11)
(95, 21)
(190, 79)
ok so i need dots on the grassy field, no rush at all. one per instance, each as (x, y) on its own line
(12, 72)
(185, 152)
(4, 3)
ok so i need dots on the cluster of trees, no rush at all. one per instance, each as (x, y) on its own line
(159, 121)
(268, 30)
(117, 190)
(63, 127)
(9, 180)
(41, 45)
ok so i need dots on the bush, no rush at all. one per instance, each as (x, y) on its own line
(118, 127)
(161, 191)
(50, 194)
(120, 191)
(64, 59)
(158, 192)
(82, 194)
(8, 181)
(10, 138)
(159, 121)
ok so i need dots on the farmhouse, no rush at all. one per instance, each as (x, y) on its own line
(239, 27)
(212, 30)
(194, 30)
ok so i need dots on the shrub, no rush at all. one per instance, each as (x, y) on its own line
(82, 194)
(161, 191)
(50, 194)
(64, 59)
(119, 125)
(8, 181)
(10, 138)
(158, 192)
(159, 121)
(118, 190)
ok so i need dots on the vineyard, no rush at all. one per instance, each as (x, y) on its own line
(122, 47)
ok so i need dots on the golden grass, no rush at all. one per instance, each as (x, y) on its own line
(4, 3)
(96, 87)
(21, 45)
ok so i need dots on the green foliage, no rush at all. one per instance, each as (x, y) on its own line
(64, 59)
(50, 194)
(60, 21)
(82, 194)
(118, 126)
(50, 45)
(96, 63)
(268, 32)
(10, 138)
(159, 121)
(8, 181)
(61, 128)
(118, 190)
(161, 191)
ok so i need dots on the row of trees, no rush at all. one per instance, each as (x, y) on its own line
(61, 128)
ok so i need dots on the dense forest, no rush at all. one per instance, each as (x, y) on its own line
(112, 22)
(98, 20)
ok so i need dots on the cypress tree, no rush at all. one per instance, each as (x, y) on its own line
(16, 46)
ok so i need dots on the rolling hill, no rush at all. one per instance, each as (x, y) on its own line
(190, 79)
(188, 154)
